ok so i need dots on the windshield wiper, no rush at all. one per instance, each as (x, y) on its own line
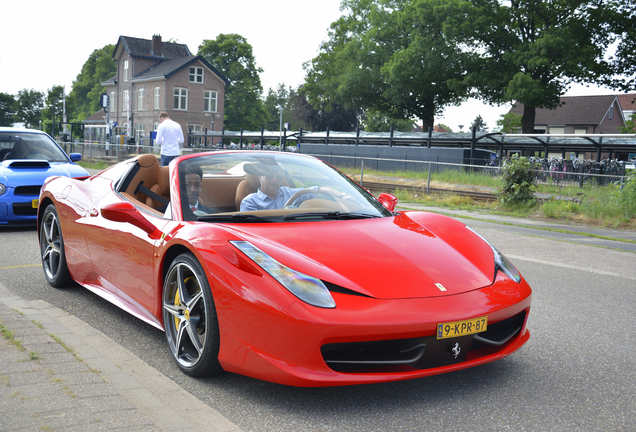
(236, 218)
(337, 215)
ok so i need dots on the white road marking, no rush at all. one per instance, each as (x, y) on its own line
(570, 266)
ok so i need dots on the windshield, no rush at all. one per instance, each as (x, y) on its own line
(25, 145)
(269, 187)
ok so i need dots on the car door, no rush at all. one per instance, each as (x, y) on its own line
(123, 256)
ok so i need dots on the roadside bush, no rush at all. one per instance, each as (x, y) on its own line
(518, 182)
(628, 197)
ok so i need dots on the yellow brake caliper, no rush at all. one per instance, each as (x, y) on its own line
(177, 302)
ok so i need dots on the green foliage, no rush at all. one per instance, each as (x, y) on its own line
(509, 122)
(627, 197)
(630, 125)
(232, 55)
(375, 121)
(53, 109)
(531, 51)
(479, 124)
(30, 105)
(83, 101)
(391, 57)
(8, 106)
(518, 182)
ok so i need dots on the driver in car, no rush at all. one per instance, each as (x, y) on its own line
(271, 193)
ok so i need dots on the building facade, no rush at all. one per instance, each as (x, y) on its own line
(155, 76)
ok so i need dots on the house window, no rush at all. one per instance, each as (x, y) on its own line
(209, 101)
(196, 75)
(610, 113)
(557, 130)
(180, 99)
(580, 131)
(139, 133)
(125, 70)
(111, 102)
(196, 139)
(126, 101)
(156, 98)
(140, 99)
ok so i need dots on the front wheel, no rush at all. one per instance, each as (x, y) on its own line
(189, 318)
(52, 249)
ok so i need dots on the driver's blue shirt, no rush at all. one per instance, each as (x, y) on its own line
(260, 201)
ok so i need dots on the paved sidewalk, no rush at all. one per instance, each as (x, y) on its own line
(58, 373)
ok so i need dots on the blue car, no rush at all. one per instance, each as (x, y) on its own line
(27, 158)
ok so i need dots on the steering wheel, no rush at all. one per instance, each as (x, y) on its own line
(321, 192)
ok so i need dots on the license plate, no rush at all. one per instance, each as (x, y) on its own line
(35, 203)
(461, 328)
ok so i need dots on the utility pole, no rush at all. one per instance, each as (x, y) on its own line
(280, 129)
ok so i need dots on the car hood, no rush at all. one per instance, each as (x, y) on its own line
(31, 172)
(411, 255)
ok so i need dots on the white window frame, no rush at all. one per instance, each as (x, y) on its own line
(580, 131)
(557, 130)
(111, 102)
(182, 94)
(195, 74)
(194, 140)
(156, 98)
(140, 130)
(125, 96)
(140, 99)
(208, 97)
(125, 70)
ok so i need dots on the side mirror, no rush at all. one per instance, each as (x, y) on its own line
(388, 200)
(75, 157)
(127, 213)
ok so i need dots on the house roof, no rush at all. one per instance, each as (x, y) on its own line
(97, 118)
(573, 110)
(143, 48)
(166, 68)
(627, 101)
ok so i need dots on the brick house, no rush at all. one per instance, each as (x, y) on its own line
(579, 115)
(154, 76)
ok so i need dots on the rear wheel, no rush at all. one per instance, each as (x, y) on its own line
(189, 318)
(52, 249)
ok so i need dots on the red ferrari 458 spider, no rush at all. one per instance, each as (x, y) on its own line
(276, 266)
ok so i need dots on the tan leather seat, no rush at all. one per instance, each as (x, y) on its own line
(161, 188)
(153, 177)
(244, 188)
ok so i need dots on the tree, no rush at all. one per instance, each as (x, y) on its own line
(509, 122)
(232, 56)
(479, 124)
(375, 121)
(83, 101)
(532, 50)
(630, 125)
(8, 107)
(274, 100)
(30, 104)
(53, 109)
(390, 56)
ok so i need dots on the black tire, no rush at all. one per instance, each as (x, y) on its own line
(52, 249)
(189, 318)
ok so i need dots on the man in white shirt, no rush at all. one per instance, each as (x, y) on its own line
(169, 137)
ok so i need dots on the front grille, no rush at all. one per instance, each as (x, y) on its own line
(402, 355)
(24, 209)
(27, 190)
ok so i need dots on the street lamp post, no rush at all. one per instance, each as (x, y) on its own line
(280, 128)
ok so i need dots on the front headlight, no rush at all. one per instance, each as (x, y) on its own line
(3, 189)
(307, 288)
(501, 262)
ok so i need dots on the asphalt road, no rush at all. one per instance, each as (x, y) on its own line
(577, 372)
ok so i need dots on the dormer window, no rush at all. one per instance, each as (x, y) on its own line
(610, 113)
(125, 70)
(196, 75)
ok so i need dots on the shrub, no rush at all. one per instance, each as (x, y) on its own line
(518, 182)
(628, 197)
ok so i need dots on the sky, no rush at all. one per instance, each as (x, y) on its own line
(45, 43)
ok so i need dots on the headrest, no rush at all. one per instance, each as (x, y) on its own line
(262, 168)
(147, 160)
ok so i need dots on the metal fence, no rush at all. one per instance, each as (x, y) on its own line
(558, 172)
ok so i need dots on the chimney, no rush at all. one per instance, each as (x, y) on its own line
(156, 45)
